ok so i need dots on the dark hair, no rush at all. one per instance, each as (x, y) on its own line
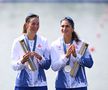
(69, 19)
(74, 34)
(27, 19)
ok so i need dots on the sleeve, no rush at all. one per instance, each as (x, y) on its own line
(86, 60)
(58, 60)
(16, 60)
(46, 61)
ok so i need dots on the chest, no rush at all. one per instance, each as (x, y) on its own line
(62, 49)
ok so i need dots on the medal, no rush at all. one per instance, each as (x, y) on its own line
(67, 68)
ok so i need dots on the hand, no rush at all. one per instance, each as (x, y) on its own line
(36, 55)
(71, 50)
(25, 57)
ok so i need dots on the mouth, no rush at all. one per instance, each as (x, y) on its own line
(65, 31)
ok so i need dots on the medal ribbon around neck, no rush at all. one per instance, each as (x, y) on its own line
(34, 45)
(65, 50)
(67, 68)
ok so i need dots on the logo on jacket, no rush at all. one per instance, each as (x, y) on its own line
(39, 46)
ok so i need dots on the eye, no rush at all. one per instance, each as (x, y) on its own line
(37, 23)
(33, 23)
(66, 26)
(62, 26)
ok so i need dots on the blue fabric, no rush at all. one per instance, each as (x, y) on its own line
(22, 79)
(87, 62)
(31, 88)
(41, 75)
(24, 76)
(61, 79)
(83, 88)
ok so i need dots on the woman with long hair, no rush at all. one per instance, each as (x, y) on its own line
(37, 51)
(66, 59)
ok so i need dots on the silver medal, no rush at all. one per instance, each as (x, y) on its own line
(67, 68)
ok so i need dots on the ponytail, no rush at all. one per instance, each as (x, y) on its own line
(24, 28)
(75, 36)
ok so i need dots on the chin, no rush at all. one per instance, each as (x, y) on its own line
(67, 34)
(34, 31)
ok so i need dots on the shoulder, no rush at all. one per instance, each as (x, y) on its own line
(82, 44)
(16, 40)
(79, 43)
(42, 40)
(56, 42)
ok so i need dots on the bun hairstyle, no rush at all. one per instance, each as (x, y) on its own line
(74, 34)
(27, 19)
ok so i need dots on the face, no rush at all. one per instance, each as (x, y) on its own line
(66, 28)
(33, 25)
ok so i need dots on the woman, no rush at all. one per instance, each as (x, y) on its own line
(64, 55)
(38, 52)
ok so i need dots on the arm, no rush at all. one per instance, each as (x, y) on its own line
(86, 60)
(16, 60)
(58, 60)
(45, 61)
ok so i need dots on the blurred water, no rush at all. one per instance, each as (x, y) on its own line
(91, 23)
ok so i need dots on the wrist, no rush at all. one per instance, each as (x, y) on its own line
(67, 55)
(40, 58)
(23, 60)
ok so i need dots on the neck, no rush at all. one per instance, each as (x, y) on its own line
(30, 36)
(67, 39)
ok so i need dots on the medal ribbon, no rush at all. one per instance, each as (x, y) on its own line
(34, 45)
(65, 50)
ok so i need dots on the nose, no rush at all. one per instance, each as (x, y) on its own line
(65, 30)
